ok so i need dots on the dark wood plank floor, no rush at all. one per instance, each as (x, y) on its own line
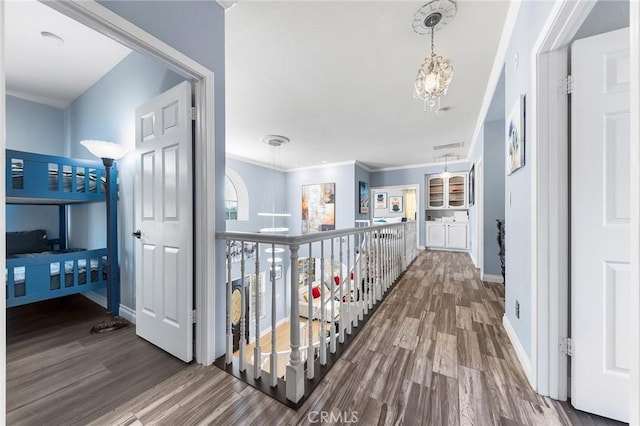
(58, 373)
(435, 353)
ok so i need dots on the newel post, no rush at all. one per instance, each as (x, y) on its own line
(295, 368)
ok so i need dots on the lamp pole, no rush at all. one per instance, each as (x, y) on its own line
(113, 290)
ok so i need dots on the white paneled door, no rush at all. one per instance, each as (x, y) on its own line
(600, 218)
(163, 216)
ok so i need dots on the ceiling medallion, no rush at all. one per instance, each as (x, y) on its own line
(436, 72)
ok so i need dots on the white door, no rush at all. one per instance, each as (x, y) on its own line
(457, 236)
(600, 215)
(164, 210)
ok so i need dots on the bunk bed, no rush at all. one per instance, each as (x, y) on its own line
(40, 268)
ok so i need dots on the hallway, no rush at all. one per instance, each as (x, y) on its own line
(434, 353)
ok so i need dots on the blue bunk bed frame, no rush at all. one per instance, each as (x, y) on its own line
(51, 180)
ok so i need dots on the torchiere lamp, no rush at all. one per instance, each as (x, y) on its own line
(109, 152)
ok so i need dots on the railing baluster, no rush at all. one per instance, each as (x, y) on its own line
(349, 290)
(343, 317)
(310, 306)
(243, 315)
(332, 291)
(257, 351)
(229, 352)
(295, 369)
(323, 323)
(273, 368)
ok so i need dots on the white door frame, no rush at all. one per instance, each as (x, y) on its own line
(104, 21)
(549, 200)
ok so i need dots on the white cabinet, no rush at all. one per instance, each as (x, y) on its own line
(447, 235)
(447, 192)
(436, 235)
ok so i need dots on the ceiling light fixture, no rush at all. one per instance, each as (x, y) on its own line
(435, 73)
(275, 142)
(445, 173)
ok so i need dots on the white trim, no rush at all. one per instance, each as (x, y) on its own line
(97, 298)
(101, 19)
(496, 69)
(473, 260)
(320, 166)
(423, 165)
(517, 346)
(479, 200)
(254, 162)
(634, 395)
(54, 103)
(128, 313)
(491, 278)
(549, 218)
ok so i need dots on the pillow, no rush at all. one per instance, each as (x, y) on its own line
(315, 292)
(27, 242)
(336, 279)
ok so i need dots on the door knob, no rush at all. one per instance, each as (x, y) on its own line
(137, 234)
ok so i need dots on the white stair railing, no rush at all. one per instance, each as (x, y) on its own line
(369, 259)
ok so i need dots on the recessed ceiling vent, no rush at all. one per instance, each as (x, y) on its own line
(449, 146)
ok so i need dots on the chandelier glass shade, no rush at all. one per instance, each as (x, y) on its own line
(433, 80)
(436, 72)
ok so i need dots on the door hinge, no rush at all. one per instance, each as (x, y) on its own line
(193, 113)
(566, 85)
(192, 316)
(566, 346)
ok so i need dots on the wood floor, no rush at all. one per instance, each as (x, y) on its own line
(434, 353)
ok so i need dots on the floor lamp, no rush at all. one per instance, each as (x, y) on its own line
(109, 152)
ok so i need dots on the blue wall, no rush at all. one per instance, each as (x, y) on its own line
(531, 16)
(494, 178)
(33, 127)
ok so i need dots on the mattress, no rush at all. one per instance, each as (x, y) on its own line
(17, 176)
(19, 272)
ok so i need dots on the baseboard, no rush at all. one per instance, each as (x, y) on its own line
(473, 259)
(96, 297)
(517, 346)
(128, 313)
(492, 278)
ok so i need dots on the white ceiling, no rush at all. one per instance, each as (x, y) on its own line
(38, 69)
(336, 77)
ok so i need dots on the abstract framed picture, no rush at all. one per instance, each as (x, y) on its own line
(516, 136)
(318, 207)
(395, 205)
(363, 190)
(381, 200)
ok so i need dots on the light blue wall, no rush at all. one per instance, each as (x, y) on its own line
(196, 28)
(346, 192)
(415, 176)
(494, 178)
(39, 128)
(532, 16)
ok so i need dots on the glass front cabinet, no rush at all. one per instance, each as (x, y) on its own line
(447, 192)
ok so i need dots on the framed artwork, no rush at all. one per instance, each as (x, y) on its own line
(318, 207)
(395, 205)
(516, 136)
(472, 185)
(381, 200)
(364, 197)
(277, 271)
(237, 248)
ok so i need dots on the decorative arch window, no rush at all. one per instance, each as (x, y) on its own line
(236, 196)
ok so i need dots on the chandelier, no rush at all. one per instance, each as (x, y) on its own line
(435, 73)
(276, 220)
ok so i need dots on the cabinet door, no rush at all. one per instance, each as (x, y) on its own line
(457, 236)
(457, 192)
(436, 235)
(435, 193)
